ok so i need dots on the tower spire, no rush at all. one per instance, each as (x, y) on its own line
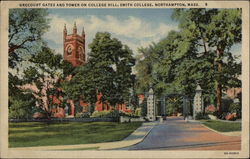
(83, 32)
(75, 29)
(65, 29)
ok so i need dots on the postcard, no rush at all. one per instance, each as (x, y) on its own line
(124, 79)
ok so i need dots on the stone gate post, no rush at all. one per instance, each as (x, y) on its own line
(198, 105)
(151, 105)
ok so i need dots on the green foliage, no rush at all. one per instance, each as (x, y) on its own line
(174, 105)
(201, 115)
(45, 74)
(21, 108)
(226, 102)
(82, 115)
(236, 108)
(113, 114)
(91, 108)
(214, 32)
(111, 63)
(138, 112)
(199, 52)
(107, 72)
(144, 108)
(106, 114)
(78, 107)
(27, 52)
(26, 27)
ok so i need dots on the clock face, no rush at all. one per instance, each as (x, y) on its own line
(69, 50)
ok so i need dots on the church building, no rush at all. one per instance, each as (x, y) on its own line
(75, 53)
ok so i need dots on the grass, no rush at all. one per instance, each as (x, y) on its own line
(28, 134)
(222, 126)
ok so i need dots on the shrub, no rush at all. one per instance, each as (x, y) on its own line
(226, 102)
(138, 112)
(82, 115)
(211, 109)
(20, 109)
(144, 108)
(235, 108)
(113, 114)
(100, 114)
(200, 116)
(130, 114)
(222, 115)
(216, 113)
(230, 116)
(107, 114)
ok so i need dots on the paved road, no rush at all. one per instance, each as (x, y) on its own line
(175, 133)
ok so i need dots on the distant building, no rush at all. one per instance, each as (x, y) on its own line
(233, 92)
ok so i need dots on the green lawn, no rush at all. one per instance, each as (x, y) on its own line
(222, 126)
(41, 134)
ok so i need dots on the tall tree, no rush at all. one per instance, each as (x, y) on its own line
(26, 27)
(112, 63)
(82, 86)
(216, 31)
(190, 55)
(44, 77)
(108, 72)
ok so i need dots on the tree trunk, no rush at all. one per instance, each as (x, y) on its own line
(219, 96)
(219, 85)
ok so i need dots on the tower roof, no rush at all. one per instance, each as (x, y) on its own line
(198, 88)
(83, 32)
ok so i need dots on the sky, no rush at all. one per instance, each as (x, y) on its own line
(135, 27)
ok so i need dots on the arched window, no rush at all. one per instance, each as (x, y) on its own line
(81, 53)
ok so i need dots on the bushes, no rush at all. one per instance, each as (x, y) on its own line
(200, 116)
(211, 109)
(138, 112)
(112, 114)
(106, 114)
(235, 108)
(100, 114)
(144, 108)
(82, 115)
(20, 109)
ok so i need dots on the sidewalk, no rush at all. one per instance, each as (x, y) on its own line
(137, 136)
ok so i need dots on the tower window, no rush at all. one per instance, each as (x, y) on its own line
(81, 53)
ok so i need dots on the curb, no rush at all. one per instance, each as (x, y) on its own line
(125, 143)
(231, 133)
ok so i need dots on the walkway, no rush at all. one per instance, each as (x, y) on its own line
(176, 134)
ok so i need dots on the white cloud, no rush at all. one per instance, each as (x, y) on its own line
(132, 31)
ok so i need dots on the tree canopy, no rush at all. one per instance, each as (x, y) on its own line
(199, 52)
(108, 72)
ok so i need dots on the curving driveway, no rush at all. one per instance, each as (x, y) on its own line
(175, 133)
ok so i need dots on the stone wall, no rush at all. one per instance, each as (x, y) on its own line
(67, 120)
(124, 119)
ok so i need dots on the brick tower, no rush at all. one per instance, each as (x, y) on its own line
(74, 47)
